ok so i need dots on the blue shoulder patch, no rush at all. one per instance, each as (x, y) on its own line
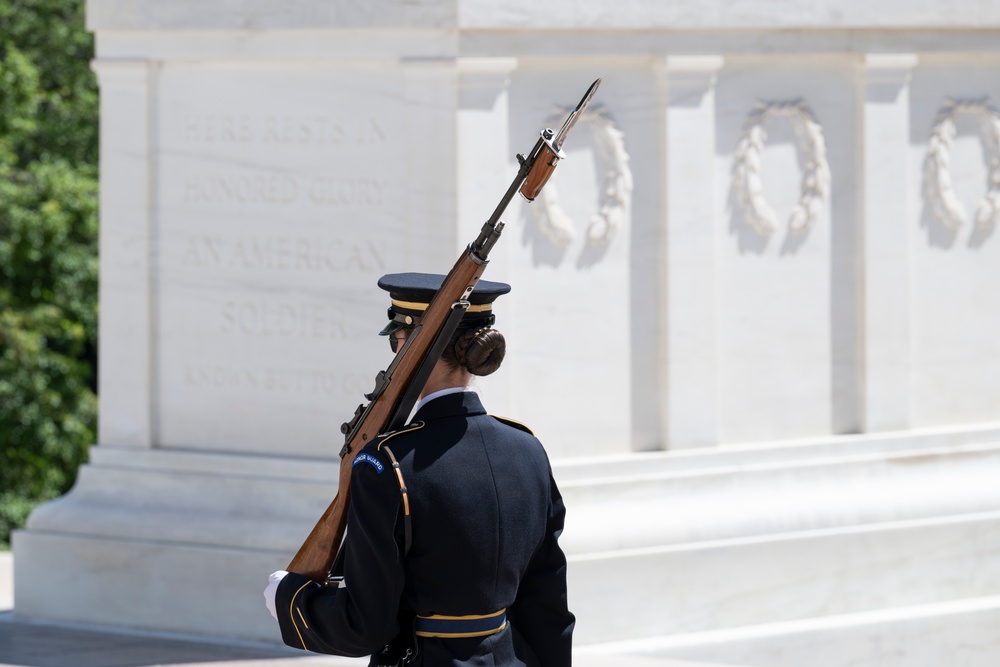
(365, 457)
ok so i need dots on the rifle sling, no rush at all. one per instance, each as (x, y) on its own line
(407, 528)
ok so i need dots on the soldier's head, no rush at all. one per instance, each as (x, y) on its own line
(476, 347)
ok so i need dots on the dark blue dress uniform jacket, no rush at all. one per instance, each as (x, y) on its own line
(486, 515)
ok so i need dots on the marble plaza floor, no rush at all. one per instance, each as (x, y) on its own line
(29, 644)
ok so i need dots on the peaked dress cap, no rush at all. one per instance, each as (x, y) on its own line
(411, 293)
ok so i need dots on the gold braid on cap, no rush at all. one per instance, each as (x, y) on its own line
(416, 305)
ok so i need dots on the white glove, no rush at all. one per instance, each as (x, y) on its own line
(272, 589)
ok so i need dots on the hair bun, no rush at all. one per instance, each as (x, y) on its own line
(480, 351)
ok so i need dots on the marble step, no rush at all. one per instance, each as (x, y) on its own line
(713, 585)
(782, 452)
(659, 550)
(951, 633)
(714, 502)
(269, 503)
(568, 469)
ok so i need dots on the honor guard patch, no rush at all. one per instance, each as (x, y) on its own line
(365, 457)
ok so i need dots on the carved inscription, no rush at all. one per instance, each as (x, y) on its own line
(276, 380)
(240, 189)
(347, 191)
(283, 129)
(282, 185)
(284, 189)
(347, 136)
(264, 318)
(283, 253)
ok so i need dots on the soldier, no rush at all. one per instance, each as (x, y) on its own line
(453, 525)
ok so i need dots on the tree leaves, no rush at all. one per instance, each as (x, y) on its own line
(48, 252)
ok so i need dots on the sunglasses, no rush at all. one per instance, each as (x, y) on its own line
(395, 342)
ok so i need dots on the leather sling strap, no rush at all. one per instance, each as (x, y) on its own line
(407, 530)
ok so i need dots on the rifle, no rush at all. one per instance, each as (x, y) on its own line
(398, 387)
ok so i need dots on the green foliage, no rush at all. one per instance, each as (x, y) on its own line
(48, 252)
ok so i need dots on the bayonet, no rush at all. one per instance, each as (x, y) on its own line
(574, 116)
(548, 151)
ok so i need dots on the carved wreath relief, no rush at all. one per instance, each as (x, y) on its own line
(937, 177)
(815, 184)
(616, 187)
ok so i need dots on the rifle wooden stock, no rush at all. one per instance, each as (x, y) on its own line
(397, 387)
(315, 557)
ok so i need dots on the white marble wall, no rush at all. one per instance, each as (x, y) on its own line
(776, 290)
(570, 257)
(955, 316)
(265, 306)
(271, 219)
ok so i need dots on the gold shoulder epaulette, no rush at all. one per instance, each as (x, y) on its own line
(515, 424)
(385, 437)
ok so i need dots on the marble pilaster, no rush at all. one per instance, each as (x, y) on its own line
(432, 239)
(689, 361)
(885, 177)
(485, 166)
(126, 232)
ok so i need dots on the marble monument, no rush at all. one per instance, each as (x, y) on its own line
(754, 319)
